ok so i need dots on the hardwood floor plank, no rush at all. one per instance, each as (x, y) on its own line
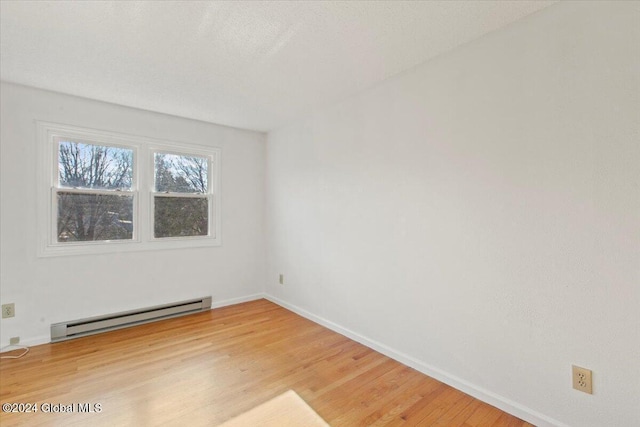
(209, 367)
(484, 416)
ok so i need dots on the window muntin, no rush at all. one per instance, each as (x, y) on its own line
(182, 200)
(94, 195)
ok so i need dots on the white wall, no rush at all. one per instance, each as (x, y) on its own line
(48, 290)
(479, 215)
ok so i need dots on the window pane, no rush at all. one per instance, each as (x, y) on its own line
(101, 167)
(180, 174)
(85, 217)
(180, 216)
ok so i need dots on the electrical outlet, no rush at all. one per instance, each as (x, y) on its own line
(8, 310)
(14, 340)
(281, 279)
(582, 379)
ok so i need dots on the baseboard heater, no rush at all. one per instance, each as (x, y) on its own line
(94, 325)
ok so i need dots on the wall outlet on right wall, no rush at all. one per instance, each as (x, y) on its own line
(582, 379)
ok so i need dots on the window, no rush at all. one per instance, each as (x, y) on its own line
(94, 195)
(181, 196)
(91, 200)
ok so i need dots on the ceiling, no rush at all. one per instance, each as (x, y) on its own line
(254, 65)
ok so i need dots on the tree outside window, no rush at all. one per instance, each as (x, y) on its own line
(94, 196)
(181, 200)
(90, 200)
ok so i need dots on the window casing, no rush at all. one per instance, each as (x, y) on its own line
(98, 193)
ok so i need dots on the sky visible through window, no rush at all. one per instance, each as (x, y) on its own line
(180, 216)
(105, 190)
(94, 215)
(181, 173)
(82, 165)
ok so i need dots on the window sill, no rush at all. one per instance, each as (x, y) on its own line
(96, 248)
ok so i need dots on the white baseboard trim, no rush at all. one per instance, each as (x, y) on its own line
(233, 301)
(479, 393)
(29, 342)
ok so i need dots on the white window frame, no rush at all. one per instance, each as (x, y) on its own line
(49, 134)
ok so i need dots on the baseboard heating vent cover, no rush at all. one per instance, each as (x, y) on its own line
(94, 325)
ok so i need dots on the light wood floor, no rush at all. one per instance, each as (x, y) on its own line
(206, 368)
